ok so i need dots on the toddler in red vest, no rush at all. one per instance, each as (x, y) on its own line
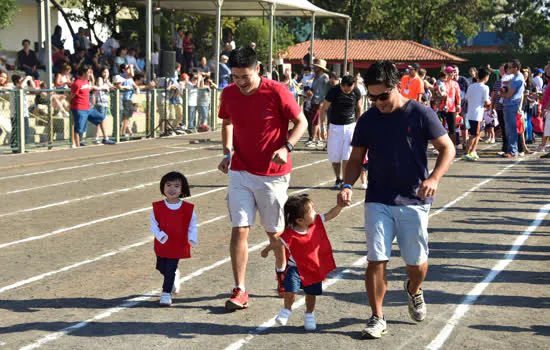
(309, 255)
(174, 224)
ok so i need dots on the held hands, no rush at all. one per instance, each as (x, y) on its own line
(280, 156)
(265, 251)
(427, 189)
(344, 198)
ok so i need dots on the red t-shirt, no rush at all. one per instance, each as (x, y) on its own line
(81, 91)
(187, 45)
(260, 126)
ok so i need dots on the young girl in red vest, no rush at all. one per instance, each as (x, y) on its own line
(309, 255)
(174, 224)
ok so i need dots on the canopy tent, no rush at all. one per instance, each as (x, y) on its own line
(242, 8)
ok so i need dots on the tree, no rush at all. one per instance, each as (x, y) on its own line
(257, 30)
(528, 19)
(7, 11)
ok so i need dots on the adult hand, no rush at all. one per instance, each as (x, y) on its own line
(280, 156)
(344, 197)
(224, 165)
(427, 188)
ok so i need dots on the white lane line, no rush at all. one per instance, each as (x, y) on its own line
(270, 323)
(89, 223)
(120, 250)
(107, 175)
(92, 196)
(102, 163)
(142, 298)
(478, 289)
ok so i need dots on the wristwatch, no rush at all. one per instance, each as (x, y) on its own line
(289, 146)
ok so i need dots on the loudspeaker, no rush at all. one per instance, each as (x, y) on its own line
(167, 64)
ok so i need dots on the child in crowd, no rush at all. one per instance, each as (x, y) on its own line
(20, 84)
(102, 99)
(491, 122)
(309, 255)
(174, 224)
(478, 101)
(128, 108)
(440, 92)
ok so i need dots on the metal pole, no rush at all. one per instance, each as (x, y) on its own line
(40, 8)
(148, 39)
(48, 58)
(218, 37)
(21, 132)
(312, 39)
(271, 22)
(345, 71)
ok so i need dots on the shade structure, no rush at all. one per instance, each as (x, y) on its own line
(249, 8)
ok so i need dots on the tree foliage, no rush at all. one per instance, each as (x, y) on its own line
(257, 30)
(7, 10)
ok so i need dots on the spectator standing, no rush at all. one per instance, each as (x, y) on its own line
(530, 107)
(110, 47)
(188, 48)
(396, 132)
(57, 42)
(128, 87)
(119, 60)
(83, 39)
(320, 87)
(204, 103)
(259, 168)
(192, 102)
(473, 76)
(512, 106)
(412, 86)
(177, 44)
(225, 72)
(344, 100)
(307, 77)
(204, 68)
(537, 80)
(478, 100)
(496, 105)
(27, 60)
(450, 107)
(23, 84)
(102, 97)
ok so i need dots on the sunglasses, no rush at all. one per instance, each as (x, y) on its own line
(382, 97)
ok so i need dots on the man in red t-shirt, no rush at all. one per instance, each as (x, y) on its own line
(80, 106)
(188, 47)
(256, 113)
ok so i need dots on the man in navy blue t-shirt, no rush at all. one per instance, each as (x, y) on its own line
(396, 131)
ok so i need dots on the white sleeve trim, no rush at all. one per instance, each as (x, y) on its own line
(193, 229)
(154, 227)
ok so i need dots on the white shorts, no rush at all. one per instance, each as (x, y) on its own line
(247, 193)
(547, 125)
(339, 142)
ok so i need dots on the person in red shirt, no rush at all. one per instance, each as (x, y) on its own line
(309, 255)
(188, 47)
(412, 85)
(451, 106)
(256, 113)
(80, 106)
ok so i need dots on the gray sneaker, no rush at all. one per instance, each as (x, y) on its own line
(417, 306)
(375, 328)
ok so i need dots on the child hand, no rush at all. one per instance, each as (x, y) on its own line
(265, 252)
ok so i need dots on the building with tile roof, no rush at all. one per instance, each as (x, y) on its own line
(363, 53)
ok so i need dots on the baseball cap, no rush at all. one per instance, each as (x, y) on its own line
(540, 71)
(449, 69)
(414, 66)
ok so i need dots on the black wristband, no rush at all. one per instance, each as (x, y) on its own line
(289, 146)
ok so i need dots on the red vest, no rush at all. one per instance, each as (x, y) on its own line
(312, 252)
(175, 223)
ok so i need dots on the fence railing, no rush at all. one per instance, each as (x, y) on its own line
(42, 118)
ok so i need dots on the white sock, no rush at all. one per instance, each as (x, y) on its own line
(280, 270)
(241, 288)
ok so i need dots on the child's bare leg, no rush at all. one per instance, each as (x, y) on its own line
(289, 300)
(310, 303)
(363, 177)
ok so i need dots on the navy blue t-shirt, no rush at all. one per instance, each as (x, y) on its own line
(397, 143)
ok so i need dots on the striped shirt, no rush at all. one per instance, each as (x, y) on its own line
(498, 100)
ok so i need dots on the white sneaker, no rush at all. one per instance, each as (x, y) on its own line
(165, 299)
(309, 321)
(521, 154)
(375, 328)
(311, 144)
(177, 283)
(417, 306)
(283, 316)
(363, 186)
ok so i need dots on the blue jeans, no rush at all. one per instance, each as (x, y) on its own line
(510, 113)
(192, 118)
(203, 115)
(529, 125)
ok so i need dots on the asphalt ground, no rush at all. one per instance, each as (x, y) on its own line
(78, 266)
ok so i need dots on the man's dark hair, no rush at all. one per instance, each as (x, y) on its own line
(174, 176)
(441, 75)
(516, 64)
(506, 66)
(83, 69)
(15, 79)
(138, 76)
(243, 57)
(122, 67)
(482, 73)
(333, 75)
(117, 36)
(25, 41)
(382, 72)
(348, 80)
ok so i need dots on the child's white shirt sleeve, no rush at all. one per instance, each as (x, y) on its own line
(154, 227)
(193, 229)
(322, 217)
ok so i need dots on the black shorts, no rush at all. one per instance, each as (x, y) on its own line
(474, 127)
(450, 119)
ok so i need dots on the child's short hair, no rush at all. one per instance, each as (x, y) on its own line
(176, 176)
(296, 208)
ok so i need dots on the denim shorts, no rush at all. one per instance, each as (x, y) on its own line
(293, 283)
(81, 117)
(408, 223)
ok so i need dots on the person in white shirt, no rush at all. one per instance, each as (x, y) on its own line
(307, 77)
(478, 100)
(537, 79)
(110, 47)
(130, 59)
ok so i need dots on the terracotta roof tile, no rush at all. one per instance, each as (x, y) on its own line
(373, 50)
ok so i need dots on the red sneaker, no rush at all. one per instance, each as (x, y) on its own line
(281, 283)
(509, 155)
(238, 300)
